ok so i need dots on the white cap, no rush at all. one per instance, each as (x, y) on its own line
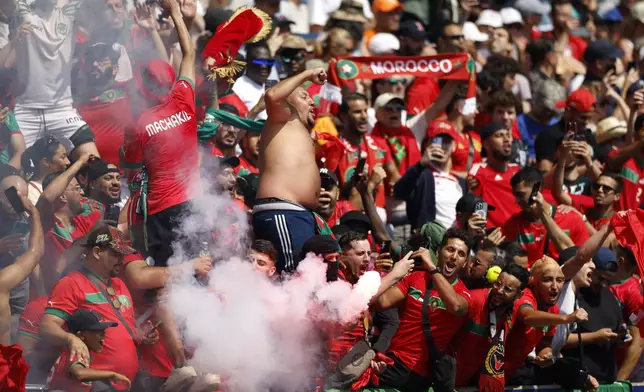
(533, 7)
(642, 53)
(383, 43)
(490, 18)
(384, 99)
(471, 32)
(510, 16)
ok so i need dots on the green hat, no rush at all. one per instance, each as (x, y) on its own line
(214, 116)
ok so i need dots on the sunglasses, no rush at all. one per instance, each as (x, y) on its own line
(394, 82)
(263, 63)
(601, 187)
(455, 37)
(112, 293)
(393, 108)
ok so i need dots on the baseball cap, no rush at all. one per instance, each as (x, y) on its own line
(610, 128)
(382, 43)
(386, 98)
(108, 237)
(471, 32)
(88, 320)
(386, 6)
(357, 221)
(100, 50)
(294, 42)
(533, 7)
(490, 18)
(510, 16)
(330, 175)
(319, 245)
(467, 203)
(638, 11)
(605, 260)
(601, 49)
(215, 17)
(441, 127)
(490, 129)
(154, 80)
(97, 168)
(228, 161)
(582, 100)
(412, 29)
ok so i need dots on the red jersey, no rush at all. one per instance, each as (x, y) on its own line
(576, 46)
(339, 346)
(629, 295)
(462, 151)
(421, 95)
(531, 235)
(495, 189)
(409, 343)
(75, 291)
(401, 143)
(61, 238)
(60, 377)
(633, 175)
(523, 338)
(165, 140)
(341, 208)
(108, 115)
(472, 343)
(156, 359)
(378, 154)
(245, 167)
(29, 323)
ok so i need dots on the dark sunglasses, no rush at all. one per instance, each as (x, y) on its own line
(263, 63)
(601, 187)
(455, 37)
(394, 108)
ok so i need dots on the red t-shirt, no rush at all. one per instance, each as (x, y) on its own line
(472, 343)
(632, 174)
(75, 291)
(60, 238)
(421, 95)
(108, 115)
(523, 338)
(532, 235)
(401, 143)
(495, 189)
(165, 140)
(245, 167)
(462, 151)
(29, 323)
(60, 377)
(156, 359)
(409, 343)
(629, 295)
(576, 46)
(341, 208)
(378, 154)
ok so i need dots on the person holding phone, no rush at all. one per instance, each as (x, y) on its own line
(15, 270)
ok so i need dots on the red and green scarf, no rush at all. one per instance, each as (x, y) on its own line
(492, 377)
(402, 144)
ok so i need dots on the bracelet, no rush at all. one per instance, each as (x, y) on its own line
(437, 270)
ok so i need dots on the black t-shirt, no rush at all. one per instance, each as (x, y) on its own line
(603, 312)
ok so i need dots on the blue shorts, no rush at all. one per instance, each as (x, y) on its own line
(286, 225)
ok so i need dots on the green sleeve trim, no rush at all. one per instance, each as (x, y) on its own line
(58, 313)
(187, 80)
(29, 334)
(526, 306)
(78, 363)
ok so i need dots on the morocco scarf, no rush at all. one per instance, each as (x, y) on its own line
(344, 70)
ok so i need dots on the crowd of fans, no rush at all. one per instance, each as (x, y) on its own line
(508, 236)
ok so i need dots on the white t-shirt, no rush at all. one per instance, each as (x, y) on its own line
(320, 10)
(297, 13)
(250, 93)
(44, 57)
(447, 192)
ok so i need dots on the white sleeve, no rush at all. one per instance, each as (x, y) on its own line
(319, 11)
(418, 125)
(566, 305)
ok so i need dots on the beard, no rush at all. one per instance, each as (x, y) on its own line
(502, 157)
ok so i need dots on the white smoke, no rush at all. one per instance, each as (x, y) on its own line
(257, 333)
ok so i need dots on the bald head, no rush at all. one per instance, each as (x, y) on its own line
(6, 183)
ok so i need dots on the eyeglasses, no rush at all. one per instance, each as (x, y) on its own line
(601, 187)
(263, 62)
(112, 293)
(455, 37)
(394, 82)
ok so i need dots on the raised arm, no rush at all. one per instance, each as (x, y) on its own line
(15, 273)
(561, 196)
(586, 252)
(277, 107)
(537, 319)
(559, 237)
(454, 303)
(187, 67)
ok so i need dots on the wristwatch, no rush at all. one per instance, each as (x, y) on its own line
(435, 271)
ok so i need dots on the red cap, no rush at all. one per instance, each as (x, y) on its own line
(582, 100)
(155, 80)
(441, 127)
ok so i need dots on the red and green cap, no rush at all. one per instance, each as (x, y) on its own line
(109, 237)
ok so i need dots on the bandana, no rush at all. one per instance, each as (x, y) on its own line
(213, 117)
(492, 377)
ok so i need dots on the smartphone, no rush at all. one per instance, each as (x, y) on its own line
(571, 130)
(622, 330)
(14, 199)
(438, 141)
(480, 209)
(360, 167)
(111, 215)
(385, 247)
(535, 191)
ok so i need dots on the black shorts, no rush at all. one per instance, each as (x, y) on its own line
(162, 230)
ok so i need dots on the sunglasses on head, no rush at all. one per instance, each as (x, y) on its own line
(263, 62)
(601, 187)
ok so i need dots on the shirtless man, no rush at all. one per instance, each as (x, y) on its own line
(289, 180)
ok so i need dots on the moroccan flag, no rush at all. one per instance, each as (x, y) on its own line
(13, 369)
(629, 232)
(455, 66)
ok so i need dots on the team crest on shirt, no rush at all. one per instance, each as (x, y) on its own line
(436, 303)
(415, 294)
(61, 28)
